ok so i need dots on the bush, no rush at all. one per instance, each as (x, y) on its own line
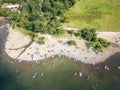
(98, 46)
(60, 31)
(103, 42)
(41, 40)
(92, 44)
(71, 32)
(78, 34)
(72, 42)
(95, 42)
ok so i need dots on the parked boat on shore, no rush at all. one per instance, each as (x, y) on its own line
(88, 78)
(106, 67)
(118, 67)
(80, 74)
(34, 75)
(75, 73)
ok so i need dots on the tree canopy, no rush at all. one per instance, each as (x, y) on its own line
(91, 36)
(43, 16)
(95, 42)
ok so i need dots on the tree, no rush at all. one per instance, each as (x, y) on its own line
(42, 16)
(89, 34)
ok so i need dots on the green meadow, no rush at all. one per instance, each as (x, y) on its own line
(103, 15)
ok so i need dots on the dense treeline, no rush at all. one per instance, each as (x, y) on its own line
(95, 42)
(43, 16)
(91, 36)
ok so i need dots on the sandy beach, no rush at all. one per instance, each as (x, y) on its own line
(58, 46)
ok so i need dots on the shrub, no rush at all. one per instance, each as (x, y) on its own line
(71, 32)
(103, 42)
(78, 34)
(41, 40)
(72, 42)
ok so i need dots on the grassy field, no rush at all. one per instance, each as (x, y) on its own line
(103, 15)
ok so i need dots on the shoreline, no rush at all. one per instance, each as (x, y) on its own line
(58, 46)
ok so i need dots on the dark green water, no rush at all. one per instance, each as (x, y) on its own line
(58, 74)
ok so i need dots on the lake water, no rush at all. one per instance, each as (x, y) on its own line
(58, 73)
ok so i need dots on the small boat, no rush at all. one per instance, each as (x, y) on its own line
(88, 78)
(118, 67)
(106, 67)
(34, 75)
(75, 73)
(80, 74)
(42, 74)
(12, 62)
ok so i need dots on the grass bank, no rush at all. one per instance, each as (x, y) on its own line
(103, 15)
